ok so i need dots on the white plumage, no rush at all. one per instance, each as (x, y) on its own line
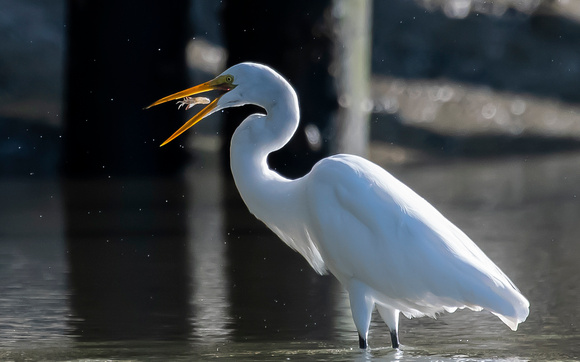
(385, 244)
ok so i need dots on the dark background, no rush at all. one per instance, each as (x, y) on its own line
(74, 76)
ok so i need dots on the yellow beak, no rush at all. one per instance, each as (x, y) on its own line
(219, 83)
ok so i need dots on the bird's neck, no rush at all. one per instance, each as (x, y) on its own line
(277, 201)
(259, 135)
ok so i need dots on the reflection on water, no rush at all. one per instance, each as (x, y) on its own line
(127, 254)
(177, 269)
(205, 220)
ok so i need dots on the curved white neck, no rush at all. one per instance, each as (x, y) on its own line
(275, 200)
(262, 188)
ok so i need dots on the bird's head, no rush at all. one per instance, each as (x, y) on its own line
(241, 84)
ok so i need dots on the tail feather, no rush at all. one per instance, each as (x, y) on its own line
(509, 321)
(514, 309)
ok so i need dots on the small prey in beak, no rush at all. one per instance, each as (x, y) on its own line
(189, 102)
(223, 83)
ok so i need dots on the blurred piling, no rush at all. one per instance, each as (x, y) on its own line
(352, 72)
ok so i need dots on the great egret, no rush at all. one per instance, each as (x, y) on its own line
(385, 244)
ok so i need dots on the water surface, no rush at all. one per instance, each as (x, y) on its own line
(176, 269)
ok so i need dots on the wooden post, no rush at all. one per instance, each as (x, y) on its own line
(353, 38)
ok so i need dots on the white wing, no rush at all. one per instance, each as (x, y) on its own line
(370, 227)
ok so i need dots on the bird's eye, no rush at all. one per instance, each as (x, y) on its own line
(229, 79)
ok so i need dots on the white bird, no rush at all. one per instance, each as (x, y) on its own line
(387, 246)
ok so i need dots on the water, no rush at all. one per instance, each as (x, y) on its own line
(170, 269)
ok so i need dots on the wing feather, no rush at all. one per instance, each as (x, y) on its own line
(371, 227)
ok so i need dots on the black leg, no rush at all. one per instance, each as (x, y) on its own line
(395, 339)
(362, 343)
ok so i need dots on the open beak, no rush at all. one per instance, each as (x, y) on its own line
(218, 83)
